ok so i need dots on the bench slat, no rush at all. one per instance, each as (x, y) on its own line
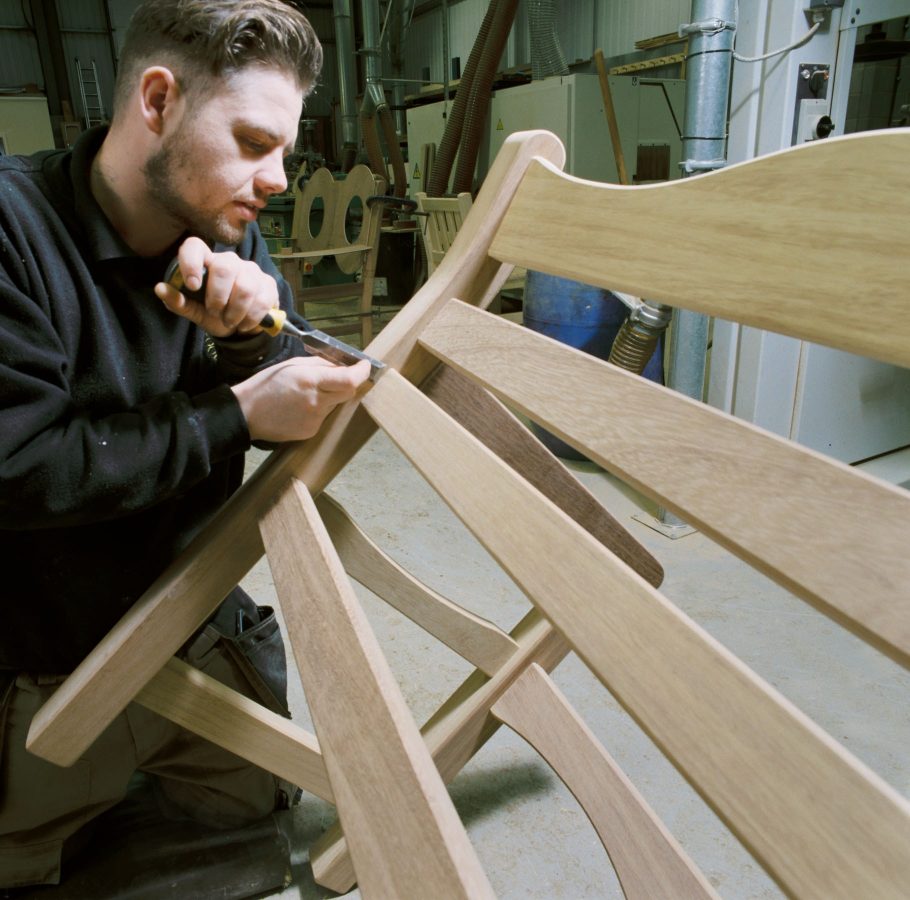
(829, 533)
(758, 242)
(771, 773)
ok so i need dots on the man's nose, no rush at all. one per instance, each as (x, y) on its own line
(271, 178)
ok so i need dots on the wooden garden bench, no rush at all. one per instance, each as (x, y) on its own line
(818, 820)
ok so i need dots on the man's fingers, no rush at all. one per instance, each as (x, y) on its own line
(193, 255)
(345, 378)
(179, 304)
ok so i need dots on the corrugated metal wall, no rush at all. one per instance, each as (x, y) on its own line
(86, 37)
(19, 60)
(583, 25)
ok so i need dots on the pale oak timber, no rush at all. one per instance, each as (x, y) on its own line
(764, 266)
(332, 240)
(388, 792)
(317, 187)
(477, 640)
(648, 860)
(455, 732)
(610, 113)
(444, 218)
(487, 419)
(711, 716)
(190, 589)
(840, 545)
(212, 710)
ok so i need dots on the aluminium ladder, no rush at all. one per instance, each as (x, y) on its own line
(90, 92)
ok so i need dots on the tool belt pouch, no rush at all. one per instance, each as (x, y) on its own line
(254, 653)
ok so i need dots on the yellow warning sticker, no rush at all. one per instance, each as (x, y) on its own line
(416, 172)
(500, 126)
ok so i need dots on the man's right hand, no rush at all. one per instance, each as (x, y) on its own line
(290, 400)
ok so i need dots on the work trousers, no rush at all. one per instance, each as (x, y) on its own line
(44, 807)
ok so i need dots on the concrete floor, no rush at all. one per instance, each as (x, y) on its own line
(530, 834)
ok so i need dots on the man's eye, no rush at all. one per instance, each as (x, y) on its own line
(255, 146)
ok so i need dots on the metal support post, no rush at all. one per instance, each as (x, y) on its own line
(708, 68)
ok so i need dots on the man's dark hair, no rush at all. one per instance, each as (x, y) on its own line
(203, 40)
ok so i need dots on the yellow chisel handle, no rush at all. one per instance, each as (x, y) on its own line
(273, 321)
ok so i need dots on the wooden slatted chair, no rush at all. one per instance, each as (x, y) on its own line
(814, 817)
(356, 253)
(442, 220)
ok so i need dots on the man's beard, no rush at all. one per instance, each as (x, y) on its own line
(161, 181)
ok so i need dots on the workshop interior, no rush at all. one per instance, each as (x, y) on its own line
(416, 103)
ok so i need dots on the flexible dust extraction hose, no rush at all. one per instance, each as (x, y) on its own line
(448, 146)
(479, 100)
(637, 338)
(546, 53)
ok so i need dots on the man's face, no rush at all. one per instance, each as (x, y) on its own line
(224, 155)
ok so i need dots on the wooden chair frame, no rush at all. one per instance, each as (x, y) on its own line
(816, 818)
(444, 218)
(357, 255)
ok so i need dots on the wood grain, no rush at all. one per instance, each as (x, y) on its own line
(829, 533)
(455, 732)
(190, 589)
(648, 860)
(790, 249)
(477, 640)
(212, 710)
(711, 716)
(487, 419)
(388, 792)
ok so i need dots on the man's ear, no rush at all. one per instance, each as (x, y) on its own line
(158, 95)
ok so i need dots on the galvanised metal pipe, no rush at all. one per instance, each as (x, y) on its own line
(402, 13)
(708, 65)
(347, 80)
(374, 96)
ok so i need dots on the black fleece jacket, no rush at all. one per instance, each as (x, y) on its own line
(119, 434)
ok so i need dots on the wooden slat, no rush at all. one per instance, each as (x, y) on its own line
(773, 242)
(656, 63)
(455, 732)
(387, 790)
(310, 254)
(477, 640)
(487, 419)
(831, 534)
(649, 862)
(805, 804)
(191, 588)
(212, 710)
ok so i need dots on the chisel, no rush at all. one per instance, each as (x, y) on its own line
(276, 322)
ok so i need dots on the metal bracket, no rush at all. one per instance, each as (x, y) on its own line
(702, 165)
(708, 26)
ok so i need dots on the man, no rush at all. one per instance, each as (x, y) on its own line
(126, 407)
